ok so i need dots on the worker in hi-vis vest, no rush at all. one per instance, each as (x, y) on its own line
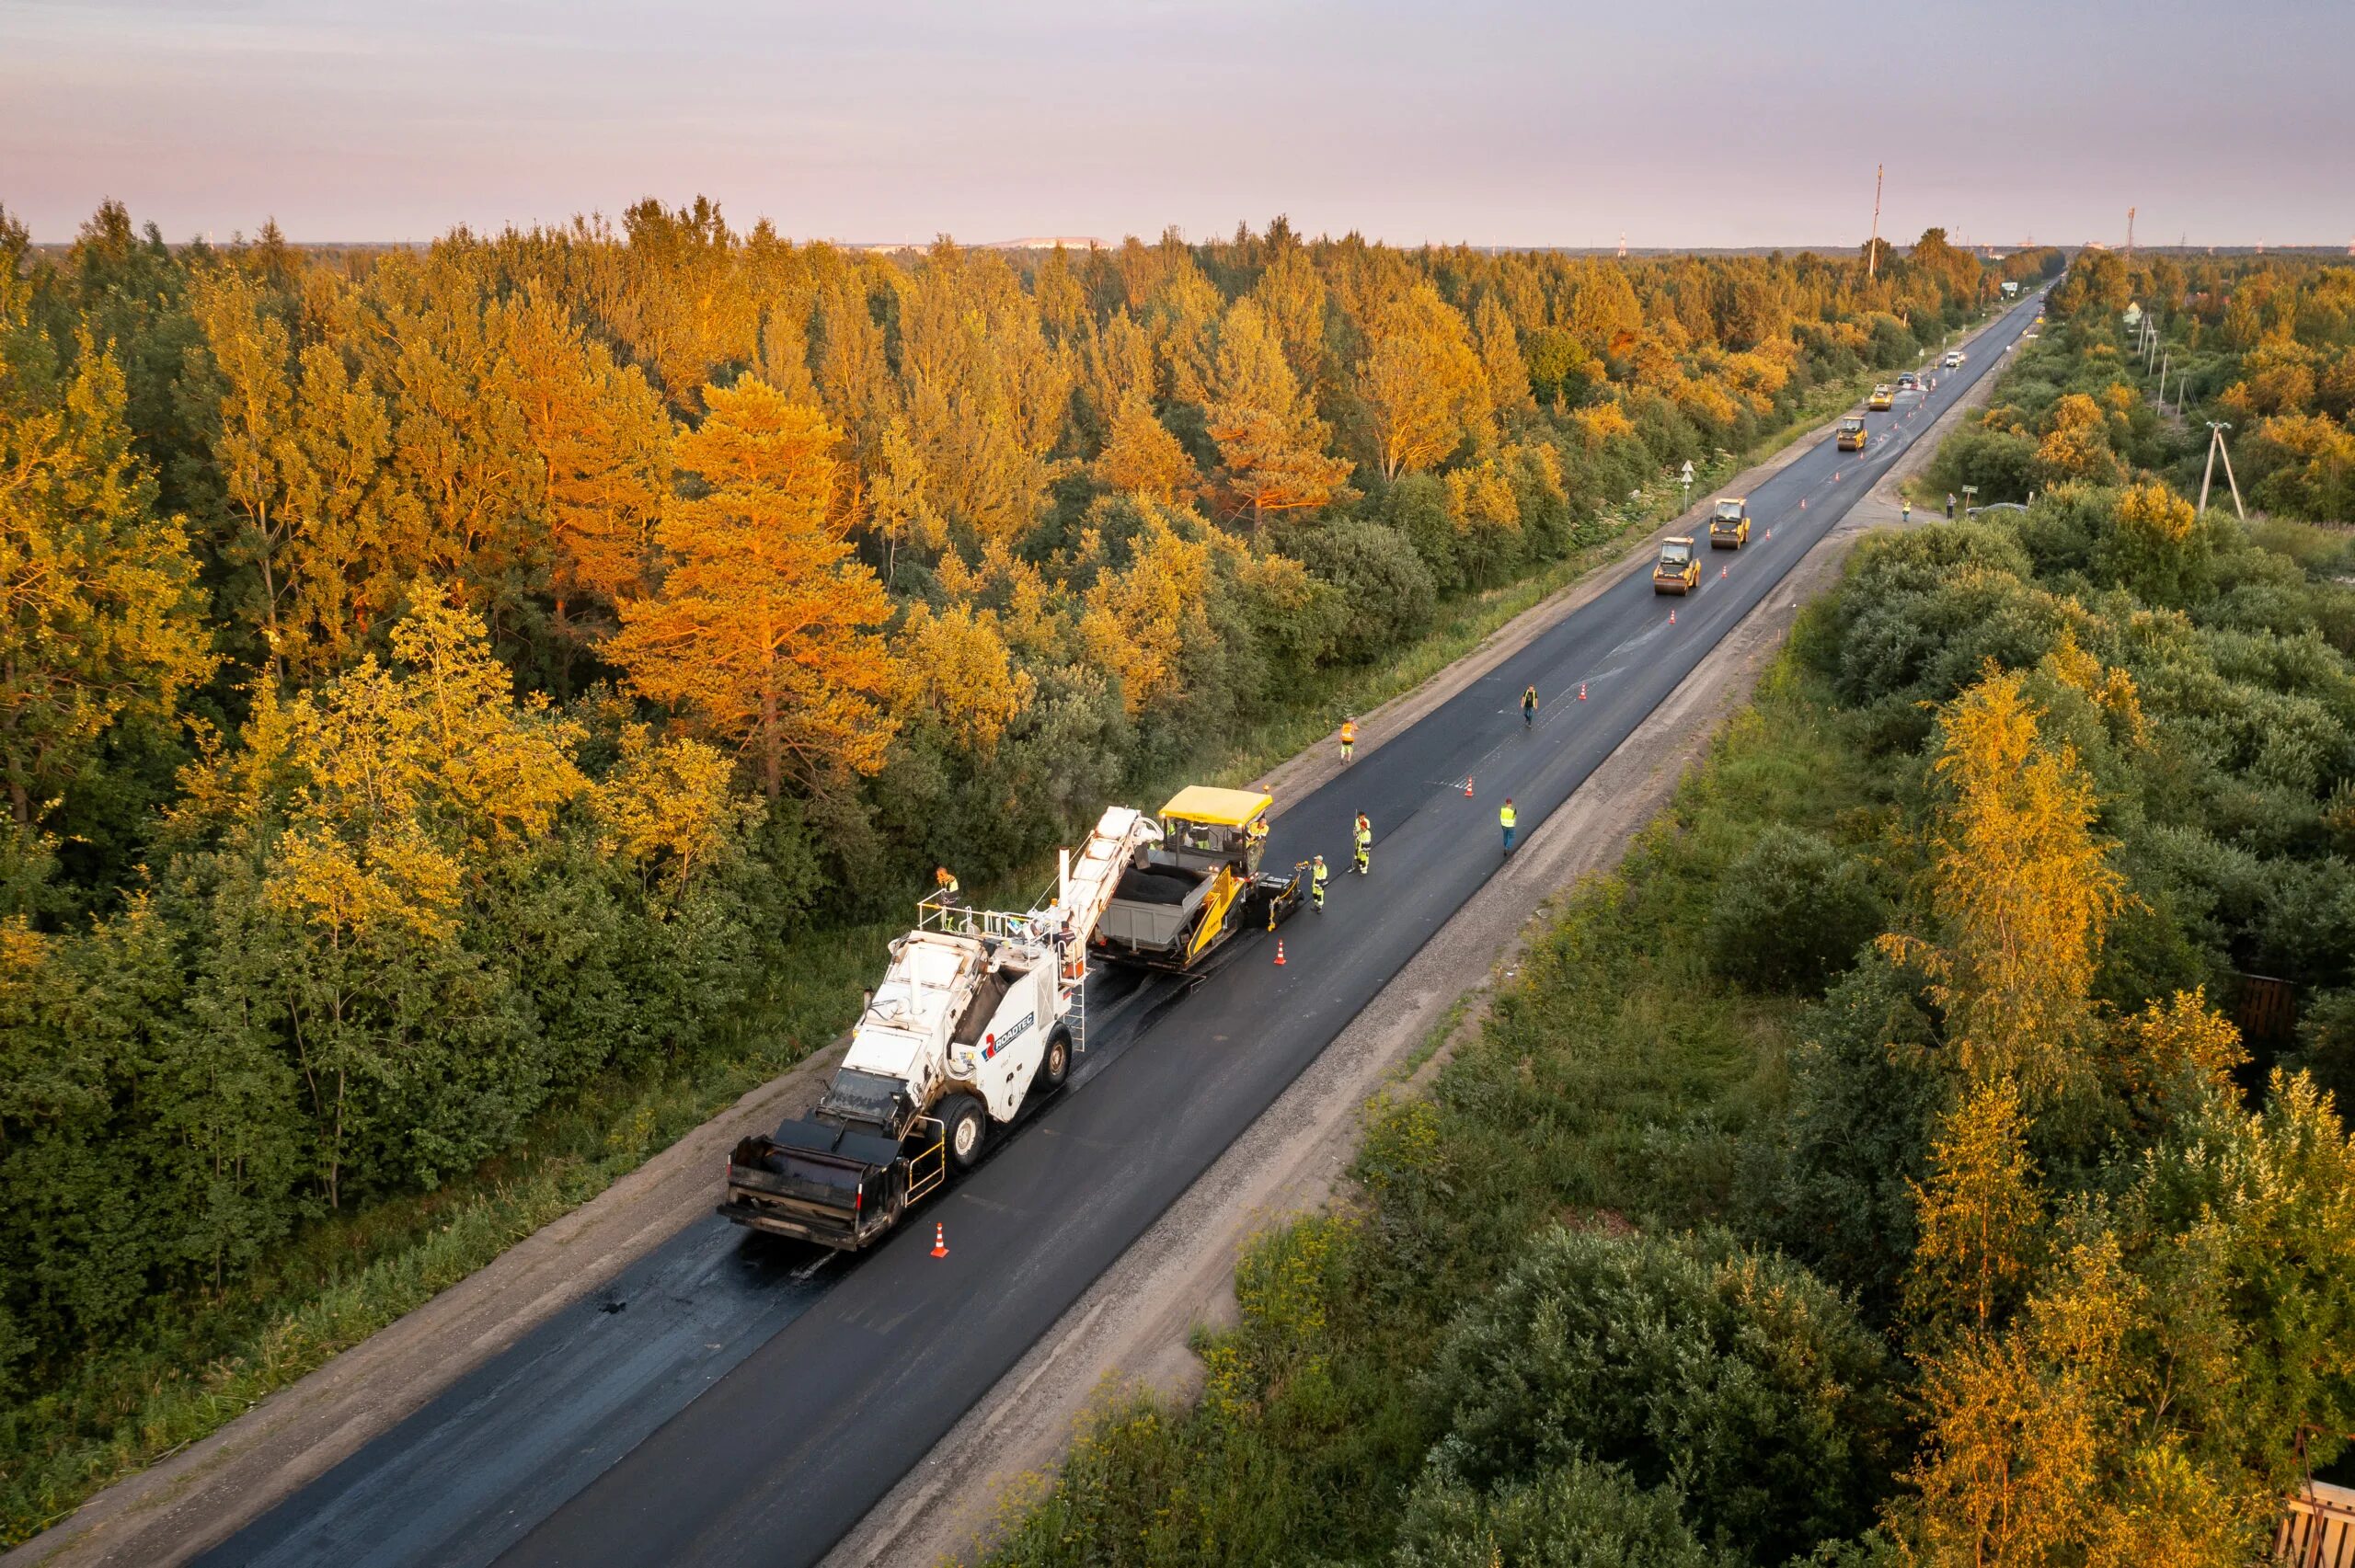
(1348, 737)
(1316, 876)
(1361, 835)
(1505, 819)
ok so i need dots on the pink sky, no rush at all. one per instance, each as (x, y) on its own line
(1682, 123)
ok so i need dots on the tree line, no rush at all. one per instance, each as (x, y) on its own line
(432, 677)
(2266, 344)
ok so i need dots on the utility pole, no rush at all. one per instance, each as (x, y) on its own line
(2163, 376)
(2216, 444)
(1872, 247)
(1623, 245)
(2129, 234)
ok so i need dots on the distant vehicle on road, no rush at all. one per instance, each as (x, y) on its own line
(1729, 528)
(1953, 361)
(1852, 433)
(1882, 399)
(1909, 382)
(1678, 570)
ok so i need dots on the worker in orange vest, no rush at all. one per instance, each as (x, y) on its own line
(1348, 737)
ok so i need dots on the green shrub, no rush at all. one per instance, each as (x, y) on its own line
(1577, 1516)
(2327, 1048)
(1739, 1380)
(1790, 913)
(2000, 464)
(1387, 591)
(1863, 1100)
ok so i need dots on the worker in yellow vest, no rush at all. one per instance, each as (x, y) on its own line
(1348, 737)
(1506, 818)
(1361, 835)
(1316, 878)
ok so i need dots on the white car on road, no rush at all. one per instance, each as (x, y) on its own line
(1953, 360)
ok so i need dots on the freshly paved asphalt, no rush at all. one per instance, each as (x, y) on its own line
(732, 1399)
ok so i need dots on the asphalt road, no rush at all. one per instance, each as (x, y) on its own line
(734, 1399)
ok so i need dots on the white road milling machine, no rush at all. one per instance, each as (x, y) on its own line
(975, 1016)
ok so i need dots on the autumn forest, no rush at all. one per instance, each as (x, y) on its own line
(433, 678)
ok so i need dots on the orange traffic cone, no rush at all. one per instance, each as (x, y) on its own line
(940, 1240)
(1802, 503)
(1671, 617)
(1467, 786)
(1721, 573)
(1835, 475)
(1770, 533)
(1280, 949)
(1581, 691)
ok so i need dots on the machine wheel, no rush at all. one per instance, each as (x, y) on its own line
(966, 1127)
(1054, 1066)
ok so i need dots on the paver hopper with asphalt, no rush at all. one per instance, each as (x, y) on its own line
(1185, 895)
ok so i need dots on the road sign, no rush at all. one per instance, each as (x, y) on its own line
(1688, 471)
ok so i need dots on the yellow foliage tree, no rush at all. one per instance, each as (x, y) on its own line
(2111, 689)
(2021, 887)
(99, 597)
(2166, 1041)
(764, 629)
(1500, 358)
(2011, 1462)
(1978, 1215)
(1143, 458)
(960, 669)
(1424, 382)
(2022, 1425)
(374, 803)
(1032, 608)
(1290, 295)
(1137, 621)
(666, 809)
(1600, 422)
(2077, 445)
(252, 394)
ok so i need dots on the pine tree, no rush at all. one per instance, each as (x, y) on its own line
(1143, 458)
(1270, 441)
(763, 629)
